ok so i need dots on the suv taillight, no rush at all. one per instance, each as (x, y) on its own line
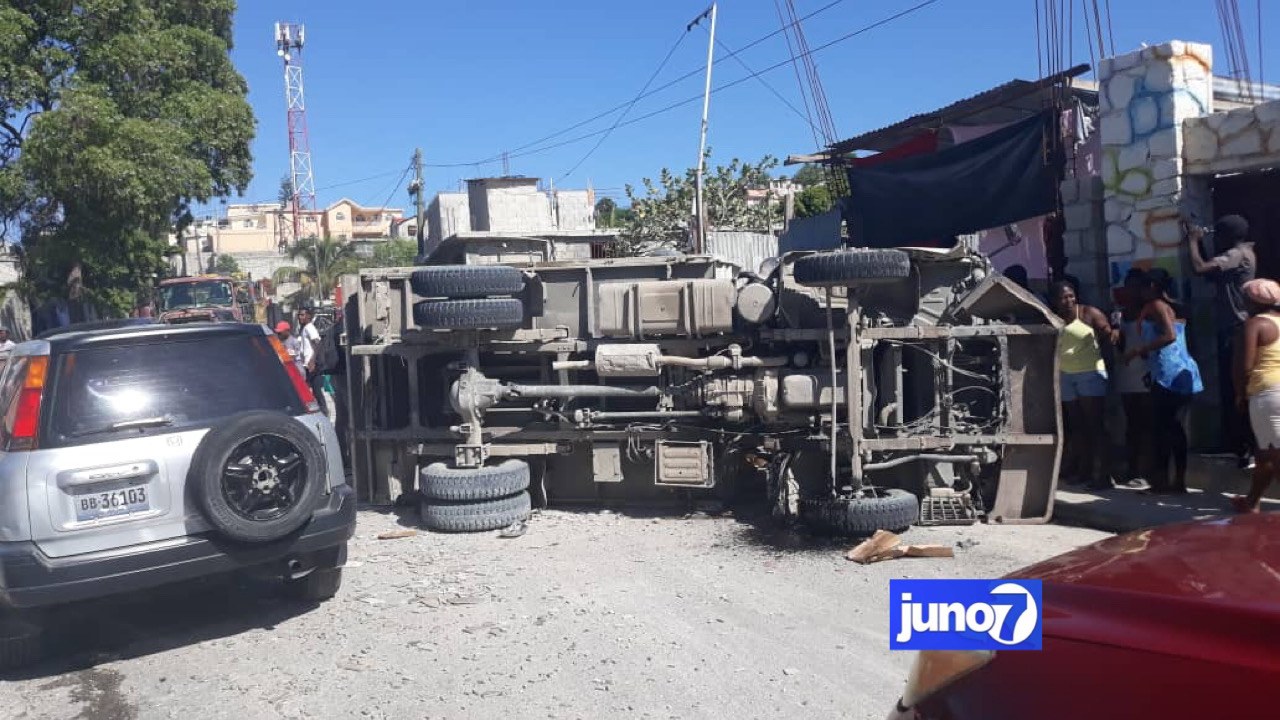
(295, 376)
(22, 421)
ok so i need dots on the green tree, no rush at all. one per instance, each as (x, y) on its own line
(813, 200)
(661, 215)
(322, 262)
(392, 253)
(285, 194)
(115, 117)
(810, 175)
(816, 197)
(224, 265)
(606, 209)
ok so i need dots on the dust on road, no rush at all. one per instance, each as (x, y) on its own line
(588, 614)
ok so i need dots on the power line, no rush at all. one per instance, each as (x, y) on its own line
(696, 98)
(379, 176)
(795, 64)
(768, 87)
(396, 188)
(622, 116)
(654, 91)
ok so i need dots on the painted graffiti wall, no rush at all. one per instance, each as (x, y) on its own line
(1237, 141)
(1145, 97)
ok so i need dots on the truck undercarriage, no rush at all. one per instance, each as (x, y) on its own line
(859, 389)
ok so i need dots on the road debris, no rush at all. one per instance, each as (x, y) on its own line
(885, 545)
(514, 530)
(396, 534)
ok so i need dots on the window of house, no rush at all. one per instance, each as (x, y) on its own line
(248, 223)
(341, 216)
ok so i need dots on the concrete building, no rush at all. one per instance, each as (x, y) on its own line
(347, 220)
(498, 219)
(261, 227)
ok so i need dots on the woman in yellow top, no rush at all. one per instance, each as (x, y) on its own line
(1082, 378)
(1259, 375)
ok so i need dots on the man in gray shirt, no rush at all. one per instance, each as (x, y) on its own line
(1235, 264)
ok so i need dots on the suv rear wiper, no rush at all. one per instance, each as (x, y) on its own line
(138, 424)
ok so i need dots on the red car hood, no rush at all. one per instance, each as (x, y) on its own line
(1209, 588)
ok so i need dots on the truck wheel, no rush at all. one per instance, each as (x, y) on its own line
(466, 281)
(852, 267)
(258, 476)
(21, 642)
(880, 509)
(438, 481)
(497, 313)
(475, 516)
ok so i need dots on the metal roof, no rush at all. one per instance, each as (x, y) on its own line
(1010, 102)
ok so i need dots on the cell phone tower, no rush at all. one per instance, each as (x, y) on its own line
(290, 38)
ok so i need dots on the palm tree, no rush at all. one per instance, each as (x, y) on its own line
(323, 261)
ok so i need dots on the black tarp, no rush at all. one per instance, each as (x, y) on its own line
(996, 179)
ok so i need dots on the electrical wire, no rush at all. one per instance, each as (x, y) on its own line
(1262, 56)
(697, 98)
(1111, 33)
(622, 116)
(345, 183)
(1088, 36)
(605, 113)
(782, 98)
(396, 189)
(795, 63)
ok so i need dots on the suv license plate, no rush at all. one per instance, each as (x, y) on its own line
(112, 503)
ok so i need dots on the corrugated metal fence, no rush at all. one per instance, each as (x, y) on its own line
(744, 249)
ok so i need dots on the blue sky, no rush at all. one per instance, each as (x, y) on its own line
(466, 81)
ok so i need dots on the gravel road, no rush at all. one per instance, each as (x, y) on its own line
(589, 614)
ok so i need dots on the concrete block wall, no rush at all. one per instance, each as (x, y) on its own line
(1145, 97)
(1238, 141)
(1084, 237)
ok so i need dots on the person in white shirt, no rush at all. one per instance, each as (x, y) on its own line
(298, 349)
(311, 336)
(6, 345)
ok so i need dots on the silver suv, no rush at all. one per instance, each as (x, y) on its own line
(136, 455)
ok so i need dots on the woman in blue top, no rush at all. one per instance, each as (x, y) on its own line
(1175, 378)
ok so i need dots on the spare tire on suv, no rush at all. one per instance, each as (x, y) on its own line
(258, 476)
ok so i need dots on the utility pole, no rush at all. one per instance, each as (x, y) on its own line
(415, 189)
(699, 208)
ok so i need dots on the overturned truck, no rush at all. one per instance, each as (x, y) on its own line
(856, 390)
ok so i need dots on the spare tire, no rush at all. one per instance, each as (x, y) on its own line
(878, 509)
(475, 516)
(438, 481)
(852, 267)
(485, 313)
(466, 281)
(258, 476)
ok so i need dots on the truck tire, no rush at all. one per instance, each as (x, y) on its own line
(475, 516)
(466, 281)
(852, 267)
(438, 481)
(887, 509)
(496, 313)
(258, 476)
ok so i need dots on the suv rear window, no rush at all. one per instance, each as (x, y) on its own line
(164, 386)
